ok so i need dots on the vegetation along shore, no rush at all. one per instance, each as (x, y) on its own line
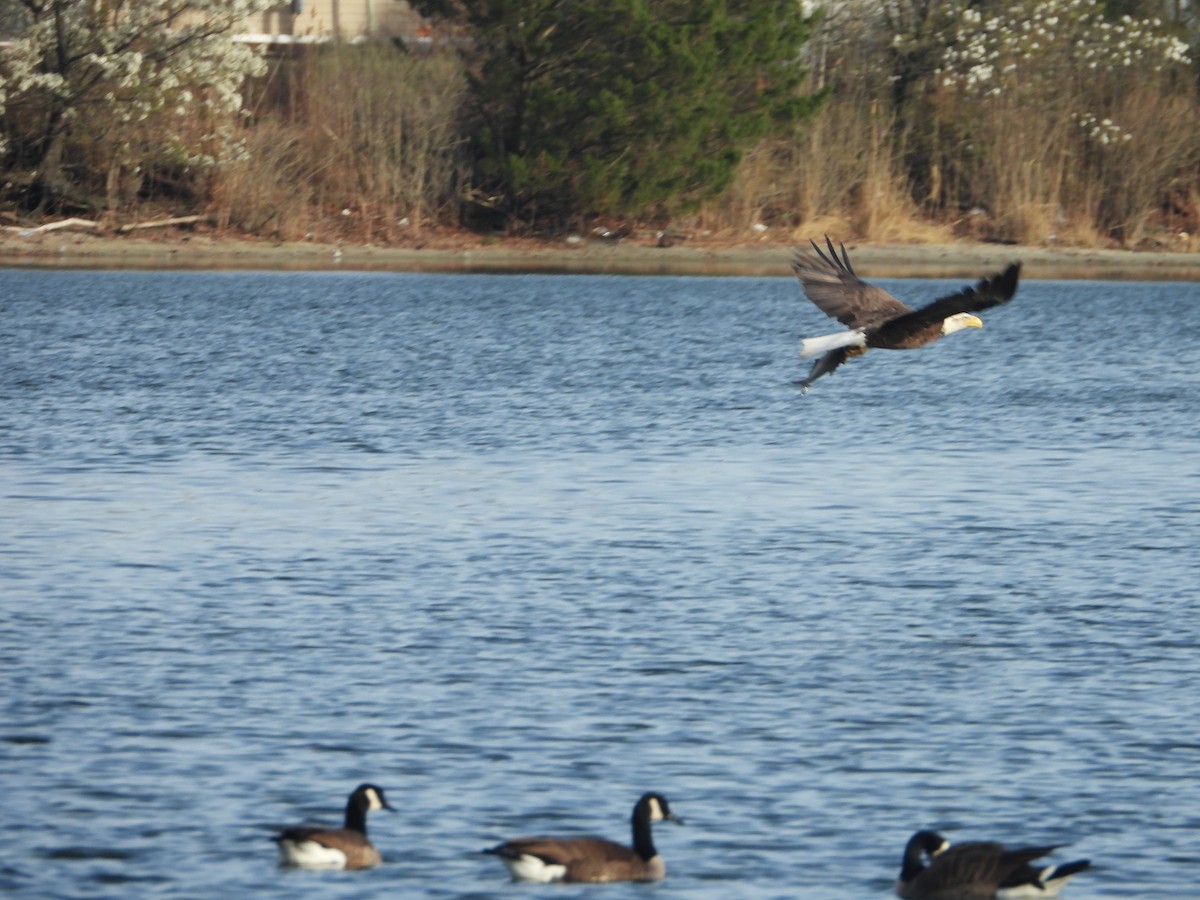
(1049, 123)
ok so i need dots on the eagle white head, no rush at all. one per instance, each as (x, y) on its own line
(959, 321)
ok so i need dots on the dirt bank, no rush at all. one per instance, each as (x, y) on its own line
(476, 254)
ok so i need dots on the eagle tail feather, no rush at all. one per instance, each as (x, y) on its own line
(810, 347)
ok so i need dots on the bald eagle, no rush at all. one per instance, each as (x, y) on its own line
(876, 318)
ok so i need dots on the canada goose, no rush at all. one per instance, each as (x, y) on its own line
(336, 848)
(876, 318)
(934, 870)
(547, 859)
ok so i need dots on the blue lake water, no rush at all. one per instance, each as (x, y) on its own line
(519, 548)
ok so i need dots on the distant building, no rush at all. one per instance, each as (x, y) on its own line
(323, 21)
(288, 23)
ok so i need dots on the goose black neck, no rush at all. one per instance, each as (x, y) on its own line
(356, 814)
(914, 862)
(643, 842)
(911, 869)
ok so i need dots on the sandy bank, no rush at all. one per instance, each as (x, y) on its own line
(960, 260)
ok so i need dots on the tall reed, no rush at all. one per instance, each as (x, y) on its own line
(360, 143)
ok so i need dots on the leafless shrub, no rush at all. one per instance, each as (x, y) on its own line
(365, 148)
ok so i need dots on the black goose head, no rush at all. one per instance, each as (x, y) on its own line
(922, 847)
(650, 807)
(366, 798)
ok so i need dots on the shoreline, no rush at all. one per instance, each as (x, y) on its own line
(473, 254)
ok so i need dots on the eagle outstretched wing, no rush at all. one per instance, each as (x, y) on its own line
(991, 291)
(830, 283)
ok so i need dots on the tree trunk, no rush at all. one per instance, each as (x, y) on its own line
(48, 180)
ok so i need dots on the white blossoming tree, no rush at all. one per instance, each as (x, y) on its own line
(1024, 119)
(91, 90)
(1044, 46)
(1058, 87)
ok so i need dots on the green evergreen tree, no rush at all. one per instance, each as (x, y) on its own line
(628, 108)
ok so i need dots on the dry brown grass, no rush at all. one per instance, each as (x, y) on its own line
(839, 173)
(363, 146)
(1022, 163)
(268, 191)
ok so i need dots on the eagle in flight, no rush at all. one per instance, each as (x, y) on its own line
(876, 318)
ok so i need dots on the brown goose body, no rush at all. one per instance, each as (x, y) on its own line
(876, 318)
(353, 848)
(586, 858)
(594, 859)
(980, 870)
(312, 847)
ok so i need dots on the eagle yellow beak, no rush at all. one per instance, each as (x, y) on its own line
(970, 321)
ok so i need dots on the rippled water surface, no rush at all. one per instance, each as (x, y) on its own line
(521, 548)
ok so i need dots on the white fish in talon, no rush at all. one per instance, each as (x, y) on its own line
(932, 869)
(312, 847)
(547, 859)
(876, 318)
